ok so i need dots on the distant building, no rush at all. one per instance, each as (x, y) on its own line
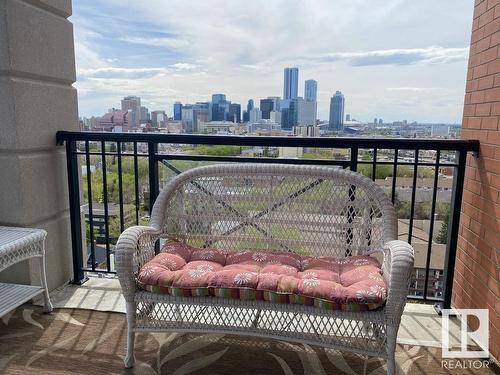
(158, 118)
(217, 127)
(375, 120)
(266, 106)
(188, 119)
(249, 105)
(177, 111)
(255, 115)
(133, 104)
(275, 116)
(348, 117)
(289, 114)
(115, 121)
(174, 127)
(218, 98)
(201, 113)
(262, 125)
(246, 114)
(306, 131)
(234, 114)
(440, 130)
(290, 83)
(306, 112)
(276, 102)
(337, 102)
(144, 115)
(218, 108)
(380, 121)
(310, 90)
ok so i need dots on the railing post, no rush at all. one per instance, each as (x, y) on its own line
(74, 207)
(154, 183)
(153, 174)
(354, 159)
(453, 225)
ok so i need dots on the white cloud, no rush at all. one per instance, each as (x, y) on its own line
(184, 66)
(156, 42)
(431, 55)
(412, 89)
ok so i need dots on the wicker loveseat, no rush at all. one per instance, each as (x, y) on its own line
(319, 225)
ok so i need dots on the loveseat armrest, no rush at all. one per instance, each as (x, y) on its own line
(135, 246)
(397, 268)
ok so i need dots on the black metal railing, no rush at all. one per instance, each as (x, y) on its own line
(117, 177)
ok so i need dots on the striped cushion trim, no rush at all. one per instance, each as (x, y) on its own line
(261, 295)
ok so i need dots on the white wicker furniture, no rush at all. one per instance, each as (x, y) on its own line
(310, 210)
(16, 245)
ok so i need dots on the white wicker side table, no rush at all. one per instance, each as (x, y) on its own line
(16, 245)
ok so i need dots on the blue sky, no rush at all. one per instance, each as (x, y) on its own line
(395, 59)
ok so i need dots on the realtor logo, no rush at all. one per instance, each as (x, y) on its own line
(480, 336)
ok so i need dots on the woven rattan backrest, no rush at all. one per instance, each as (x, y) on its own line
(304, 209)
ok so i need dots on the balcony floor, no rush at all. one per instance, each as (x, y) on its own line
(420, 325)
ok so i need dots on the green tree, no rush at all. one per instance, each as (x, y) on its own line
(442, 236)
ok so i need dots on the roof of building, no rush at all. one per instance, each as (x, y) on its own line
(420, 244)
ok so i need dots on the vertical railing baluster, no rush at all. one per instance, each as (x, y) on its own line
(394, 174)
(136, 185)
(153, 174)
(74, 206)
(90, 204)
(413, 193)
(354, 159)
(153, 180)
(120, 185)
(374, 164)
(105, 202)
(431, 224)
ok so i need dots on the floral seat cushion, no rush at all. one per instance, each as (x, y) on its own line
(353, 283)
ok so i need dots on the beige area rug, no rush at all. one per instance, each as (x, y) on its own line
(70, 341)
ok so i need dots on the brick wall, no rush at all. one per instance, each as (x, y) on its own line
(477, 266)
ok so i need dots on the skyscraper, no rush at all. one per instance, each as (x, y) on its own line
(157, 117)
(310, 90)
(133, 104)
(266, 106)
(255, 115)
(218, 98)
(234, 113)
(306, 112)
(289, 114)
(290, 83)
(249, 105)
(337, 112)
(219, 107)
(276, 102)
(188, 119)
(177, 111)
(144, 114)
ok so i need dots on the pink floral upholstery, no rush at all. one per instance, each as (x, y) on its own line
(352, 283)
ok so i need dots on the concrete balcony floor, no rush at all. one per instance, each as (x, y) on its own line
(420, 325)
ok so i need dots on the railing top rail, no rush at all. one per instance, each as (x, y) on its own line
(322, 142)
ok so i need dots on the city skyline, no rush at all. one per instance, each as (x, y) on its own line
(418, 77)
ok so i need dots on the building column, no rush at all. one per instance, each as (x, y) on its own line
(476, 282)
(37, 70)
